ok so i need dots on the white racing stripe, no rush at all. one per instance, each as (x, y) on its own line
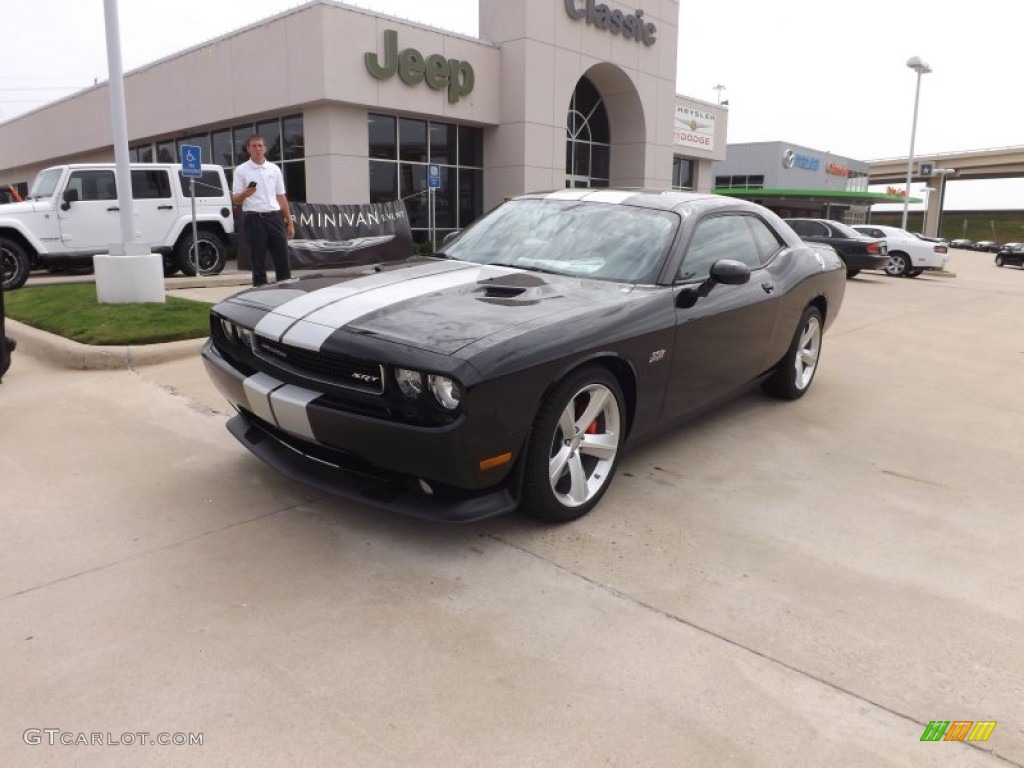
(283, 405)
(276, 323)
(592, 195)
(311, 331)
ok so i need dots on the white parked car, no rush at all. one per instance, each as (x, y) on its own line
(71, 213)
(909, 255)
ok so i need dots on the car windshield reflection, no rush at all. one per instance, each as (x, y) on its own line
(578, 238)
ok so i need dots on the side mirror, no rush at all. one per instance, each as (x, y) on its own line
(724, 271)
(70, 196)
(729, 272)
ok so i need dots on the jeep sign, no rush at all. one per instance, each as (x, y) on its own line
(437, 71)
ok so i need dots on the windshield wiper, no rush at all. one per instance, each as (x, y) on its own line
(525, 267)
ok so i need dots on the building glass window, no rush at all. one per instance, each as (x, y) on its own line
(587, 139)
(412, 140)
(739, 182)
(400, 150)
(226, 146)
(222, 152)
(294, 138)
(682, 173)
(165, 152)
(383, 144)
(270, 130)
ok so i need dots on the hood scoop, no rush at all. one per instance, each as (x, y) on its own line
(514, 289)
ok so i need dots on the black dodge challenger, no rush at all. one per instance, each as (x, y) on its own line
(512, 368)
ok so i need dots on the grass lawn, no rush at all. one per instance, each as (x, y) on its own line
(73, 312)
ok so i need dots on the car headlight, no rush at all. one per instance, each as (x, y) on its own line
(236, 334)
(410, 383)
(445, 391)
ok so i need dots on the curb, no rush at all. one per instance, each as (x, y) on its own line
(65, 353)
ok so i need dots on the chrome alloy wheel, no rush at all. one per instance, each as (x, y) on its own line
(898, 265)
(584, 445)
(807, 352)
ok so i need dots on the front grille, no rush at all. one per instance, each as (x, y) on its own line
(328, 368)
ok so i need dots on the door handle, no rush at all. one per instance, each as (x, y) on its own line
(164, 207)
(768, 286)
(113, 208)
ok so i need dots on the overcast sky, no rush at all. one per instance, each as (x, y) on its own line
(828, 77)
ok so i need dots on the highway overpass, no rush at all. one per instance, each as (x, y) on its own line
(936, 169)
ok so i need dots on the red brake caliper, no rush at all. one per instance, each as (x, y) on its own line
(592, 428)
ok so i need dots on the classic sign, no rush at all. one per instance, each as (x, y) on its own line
(630, 25)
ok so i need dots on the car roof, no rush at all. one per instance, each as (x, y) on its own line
(657, 199)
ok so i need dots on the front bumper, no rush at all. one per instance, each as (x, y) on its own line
(367, 459)
(395, 493)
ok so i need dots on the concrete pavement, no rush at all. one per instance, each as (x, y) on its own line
(776, 584)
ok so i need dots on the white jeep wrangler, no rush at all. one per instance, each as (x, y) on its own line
(71, 213)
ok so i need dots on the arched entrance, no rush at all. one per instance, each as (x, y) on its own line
(587, 138)
(605, 135)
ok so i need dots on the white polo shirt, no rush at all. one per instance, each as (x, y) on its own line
(269, 184)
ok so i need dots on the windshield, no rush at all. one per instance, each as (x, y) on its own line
(45, 184)
(569, 237)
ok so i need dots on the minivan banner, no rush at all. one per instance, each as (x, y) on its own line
(329, 235)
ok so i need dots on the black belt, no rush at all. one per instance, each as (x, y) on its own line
(265, 214)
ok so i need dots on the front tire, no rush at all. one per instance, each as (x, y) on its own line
(212, 254)
(574, 446)
(851, 273)
(794, 374)
(914, 272)
(999, 261)
(898, 266)
(14, 265)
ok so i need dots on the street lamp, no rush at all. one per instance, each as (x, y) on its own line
(719, 88)
(915, 63)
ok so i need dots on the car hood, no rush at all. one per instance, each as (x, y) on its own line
(28, 206)
(440, 306)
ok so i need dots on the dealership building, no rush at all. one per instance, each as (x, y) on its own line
(360, 107)
(797, 181)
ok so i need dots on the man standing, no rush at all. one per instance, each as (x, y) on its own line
(258, 187)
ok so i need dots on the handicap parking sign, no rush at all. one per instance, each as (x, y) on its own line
(433, 176)
(191, 161)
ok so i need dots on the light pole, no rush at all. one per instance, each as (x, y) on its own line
(915, 63)
(719, 88)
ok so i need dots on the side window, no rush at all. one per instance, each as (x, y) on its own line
(149, 185)
(718, 237)
(802, 228)
(94, 185)
(766, 241)
(207, 185)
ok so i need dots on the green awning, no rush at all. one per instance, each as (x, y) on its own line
(809, 195)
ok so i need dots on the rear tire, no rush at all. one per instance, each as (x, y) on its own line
(794, 374)
(898, 266)
(14, 265)
(851, 273)
(914, 272)
(574, 446)
(212, 253)
(170, 265)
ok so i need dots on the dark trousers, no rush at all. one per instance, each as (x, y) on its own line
(265, 232)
